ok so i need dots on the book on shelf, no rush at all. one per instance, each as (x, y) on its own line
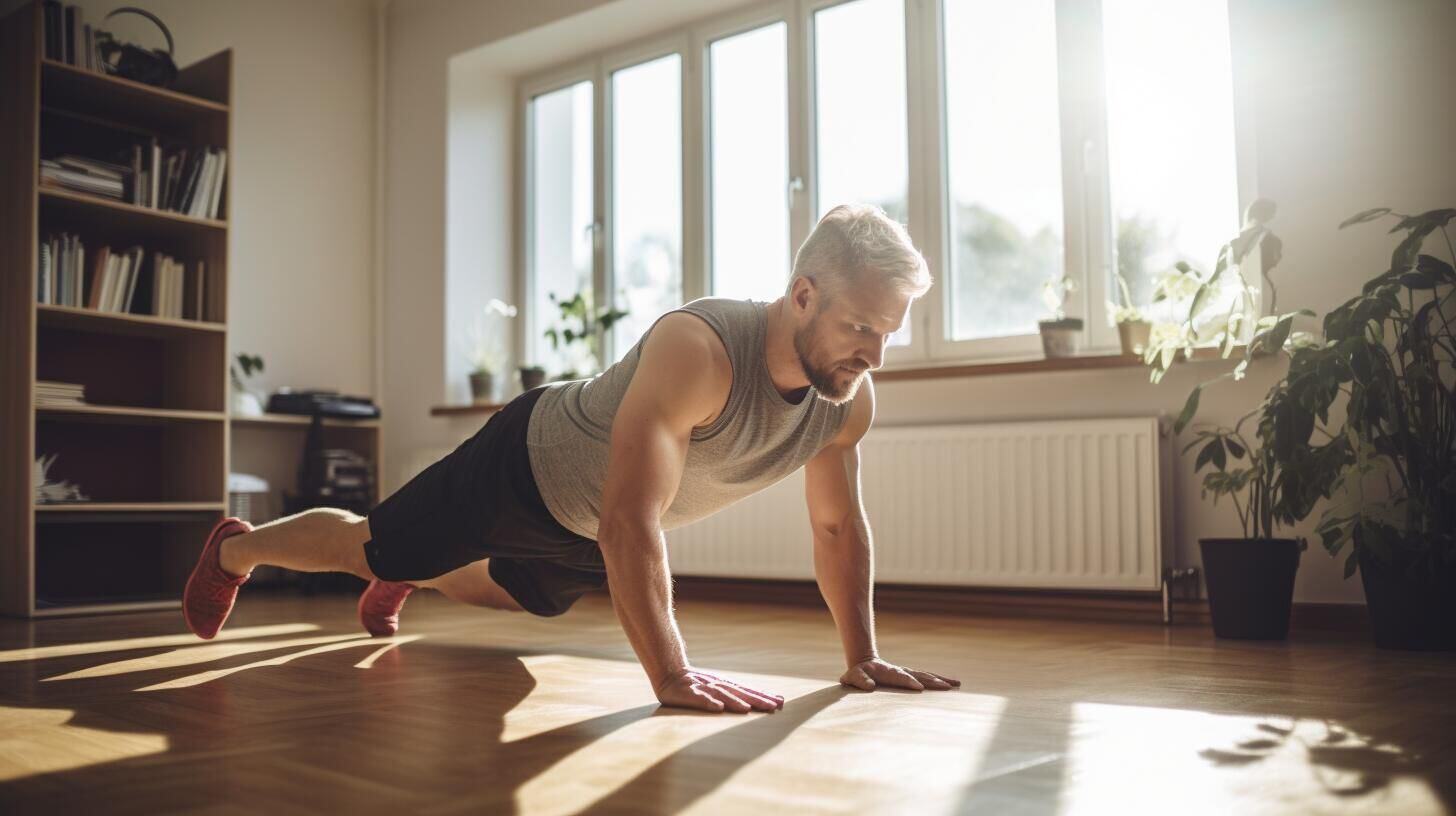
(130, 280)
(85, 176)
(187, 180)
(48, 394)
(69, 38)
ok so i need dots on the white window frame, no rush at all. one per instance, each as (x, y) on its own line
(1088, 246)
(704, 35)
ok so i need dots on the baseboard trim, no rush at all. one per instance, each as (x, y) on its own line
(1109, 607)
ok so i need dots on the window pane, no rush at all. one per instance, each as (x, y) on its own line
(748, 75)
(1005, 164)
(860, 110)
(561, 211)
(1171, 136)
(646, 195)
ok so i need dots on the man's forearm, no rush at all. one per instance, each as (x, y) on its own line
(845, 569)
(641, 587)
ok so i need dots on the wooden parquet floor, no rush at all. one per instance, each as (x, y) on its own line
(476, 711)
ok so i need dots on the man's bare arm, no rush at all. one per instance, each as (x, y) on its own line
(681, 381)
(844, 555)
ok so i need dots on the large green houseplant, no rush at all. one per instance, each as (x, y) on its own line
(1389, 360)
(1250, 579)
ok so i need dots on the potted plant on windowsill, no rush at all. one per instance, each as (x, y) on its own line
(1391, 354)
(1250, 579)
(487, 354)
(581, 331)
(1059, 335)
(1133, 328)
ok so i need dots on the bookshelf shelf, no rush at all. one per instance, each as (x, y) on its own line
(82, 508)
(124, 323)
(151, 447)
(127, 216)
(104, 608)
(111, 413)
(68, 84)
(294, 421)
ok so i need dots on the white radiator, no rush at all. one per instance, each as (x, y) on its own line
(1080, 504)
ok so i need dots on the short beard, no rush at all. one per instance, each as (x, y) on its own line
(822, 379)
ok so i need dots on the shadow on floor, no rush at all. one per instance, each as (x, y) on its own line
(420, 724)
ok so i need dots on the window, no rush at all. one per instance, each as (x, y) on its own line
(560, 257)
(1018, 141)
(1005, 167)
(861, 145)
(646, 195)
(749, 163)
(1170, 123)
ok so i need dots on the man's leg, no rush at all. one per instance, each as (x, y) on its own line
(320, 540)
(472, 584)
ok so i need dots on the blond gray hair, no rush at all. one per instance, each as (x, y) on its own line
(858, 243)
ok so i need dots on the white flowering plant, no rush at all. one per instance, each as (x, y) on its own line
(1124, 312)
(1054, 294)
(486, 339)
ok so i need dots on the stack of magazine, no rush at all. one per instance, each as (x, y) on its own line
(187, 180)
(58, 394)
(91, 176)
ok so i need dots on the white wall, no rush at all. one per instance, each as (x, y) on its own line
(301, 253)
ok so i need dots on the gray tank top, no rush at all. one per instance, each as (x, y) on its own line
(758, 439)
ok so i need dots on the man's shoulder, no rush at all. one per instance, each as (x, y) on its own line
(684, 358)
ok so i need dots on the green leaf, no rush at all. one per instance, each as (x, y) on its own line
(1436, 267)
(1189, 409)
(1279, 334)
(1212, 452)
(1418, 280)
(1351, 563)
(1235, 448)
(1198, 300)
(1363, 217)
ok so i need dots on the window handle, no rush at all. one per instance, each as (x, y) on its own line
(796, 184)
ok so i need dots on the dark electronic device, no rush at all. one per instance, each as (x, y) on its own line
(324, 403)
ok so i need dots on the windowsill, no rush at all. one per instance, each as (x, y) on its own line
(1081, 362)
(1037, 365)
(466, 410)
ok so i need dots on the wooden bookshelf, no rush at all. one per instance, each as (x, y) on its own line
(150, 445)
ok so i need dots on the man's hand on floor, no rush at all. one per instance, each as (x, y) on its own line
(690, 688)
(867, 675)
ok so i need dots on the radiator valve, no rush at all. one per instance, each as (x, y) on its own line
(1172, 580)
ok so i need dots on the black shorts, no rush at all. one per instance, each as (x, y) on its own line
(481, 501)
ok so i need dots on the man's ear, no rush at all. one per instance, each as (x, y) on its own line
(804, 295)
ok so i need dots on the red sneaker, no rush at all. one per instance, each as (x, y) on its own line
(380, 604)
(210, 591)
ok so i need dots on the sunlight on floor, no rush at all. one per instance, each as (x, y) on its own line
(1130, 756)
(100, 646)
(339, 642)
(41, 741)
(796, 749)
(199, 652)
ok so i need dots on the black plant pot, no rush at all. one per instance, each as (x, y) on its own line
(1409, 609)
(1250, 585)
